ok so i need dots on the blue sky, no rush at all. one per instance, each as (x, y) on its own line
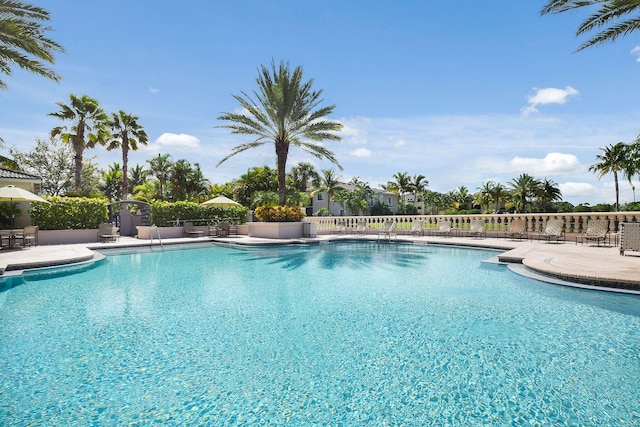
(461, 92)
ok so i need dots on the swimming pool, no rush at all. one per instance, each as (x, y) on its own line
(337, 334)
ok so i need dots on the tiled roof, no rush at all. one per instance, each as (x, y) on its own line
(8, 173)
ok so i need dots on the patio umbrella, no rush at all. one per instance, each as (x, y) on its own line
(12, 194)
(221, 201)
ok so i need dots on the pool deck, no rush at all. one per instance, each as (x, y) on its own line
(565, 263)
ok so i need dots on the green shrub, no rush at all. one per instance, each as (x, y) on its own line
(63, 213)
(279, 213)
(165, 213)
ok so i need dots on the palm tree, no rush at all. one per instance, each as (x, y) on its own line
(330, 184)
(23, 41)
(523, 188)
(284, 113)
(138, 176)
(89, 128)
(484, 193)
(180, 179)
(612, 160)
(111, 181)
(402, 183)
(418, 184)
(498, 194)
(549, 191)
(302, 174)
(160, 168)
(127, 134)
(632, 164)
(617, 17)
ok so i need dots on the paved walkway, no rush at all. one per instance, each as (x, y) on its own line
(581, 264)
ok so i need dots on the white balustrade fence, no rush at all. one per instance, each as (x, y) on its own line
(573, 222)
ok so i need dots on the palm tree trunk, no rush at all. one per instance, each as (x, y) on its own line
(615, 178)
(125, 161)
(282, 151)
(78, 167)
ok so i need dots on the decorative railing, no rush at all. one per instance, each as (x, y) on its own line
(573, 222)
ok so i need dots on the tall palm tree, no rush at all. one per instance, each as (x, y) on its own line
(126, 135)
(612, 161)
(160, 167)
(523, 188)
(88, 129)
(616, 17)
(285, 112)
(23, 41)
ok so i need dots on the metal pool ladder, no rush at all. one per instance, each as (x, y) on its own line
(155, 227)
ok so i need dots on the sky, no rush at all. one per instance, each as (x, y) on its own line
(461, 92)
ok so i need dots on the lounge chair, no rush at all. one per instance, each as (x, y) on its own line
(190, 230)
(361, 228)
(107, 233)
(597, 230)
(517, 229)
(476, 229)
(417, 228)
(387, 229)
(341, 227)
(28, 236)
(443, 229)
(553, 230)
(629, 237)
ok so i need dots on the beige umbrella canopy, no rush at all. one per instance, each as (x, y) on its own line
(221, 201)
(12, 194)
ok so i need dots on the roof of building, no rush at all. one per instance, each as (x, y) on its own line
(13, 174)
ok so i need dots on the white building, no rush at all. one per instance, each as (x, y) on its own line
(320, 200)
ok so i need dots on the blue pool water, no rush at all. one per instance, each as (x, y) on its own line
(340, 334)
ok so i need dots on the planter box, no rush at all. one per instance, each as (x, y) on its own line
(147, 232)
(276, 230)
(65, 237)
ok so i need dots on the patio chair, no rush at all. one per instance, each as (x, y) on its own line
(517, 229)
(361, 228)
(443, 229)
(341, 228)
(190, 230)
(387, 229)
(224, 229)
(417, 228)
(476, 229)
(28, 236)
(629, 237)
(553, 230)
(107, 233)
(597, 230)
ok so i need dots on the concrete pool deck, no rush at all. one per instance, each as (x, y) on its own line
(582, 265)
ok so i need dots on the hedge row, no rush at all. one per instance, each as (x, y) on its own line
(64, 213)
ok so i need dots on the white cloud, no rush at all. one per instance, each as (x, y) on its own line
(577, 189)
(546, 96)
(361, 152)
(153, 90)
(636, 51)
(551, 164)
(181, 140)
